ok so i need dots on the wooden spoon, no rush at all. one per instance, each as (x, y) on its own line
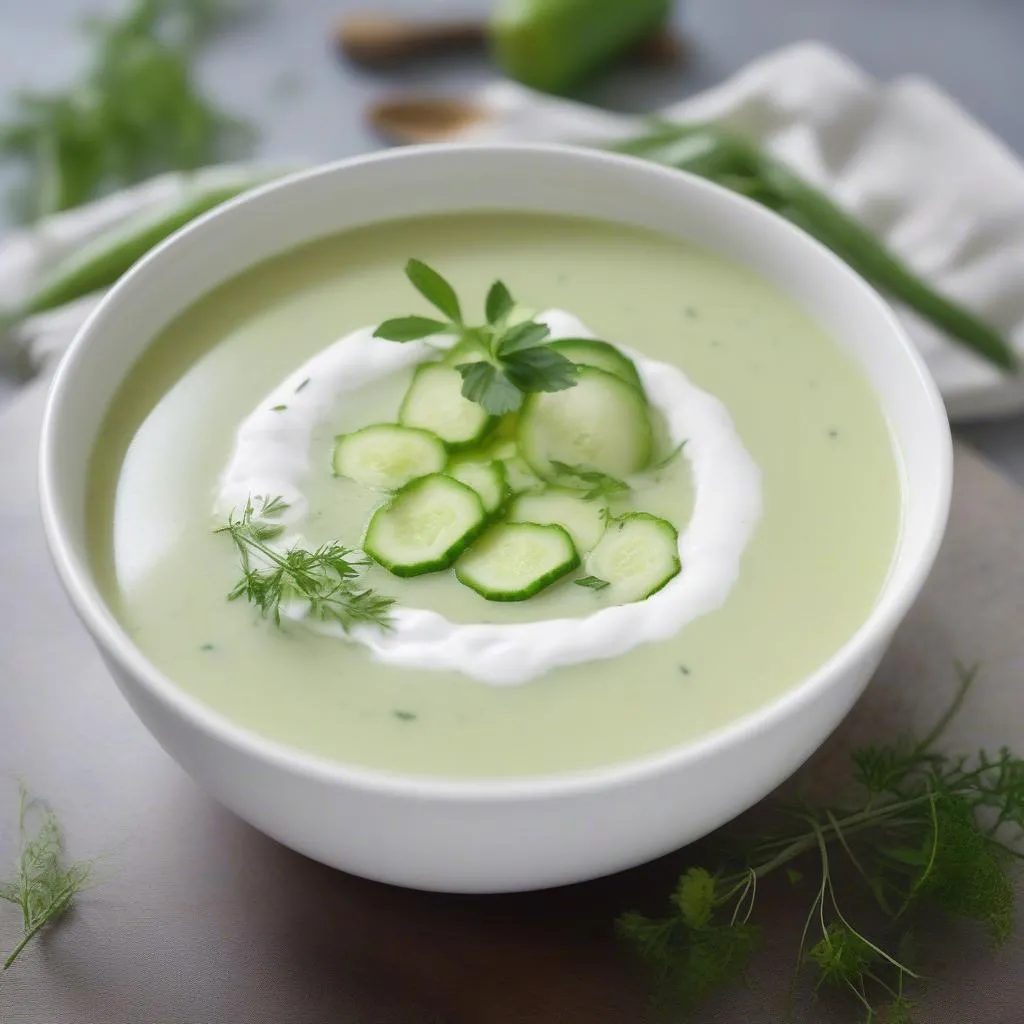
(412, 119)
(377, 41)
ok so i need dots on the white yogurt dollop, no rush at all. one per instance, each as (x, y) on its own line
(272, 456)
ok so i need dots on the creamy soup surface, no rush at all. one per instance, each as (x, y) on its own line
(814, 564)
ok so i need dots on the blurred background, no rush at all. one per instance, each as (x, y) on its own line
(268, 78)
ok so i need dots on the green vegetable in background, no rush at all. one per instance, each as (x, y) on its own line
(99, 264)
(137, 111)
(555, 45)
(927, 831)
(716, 154)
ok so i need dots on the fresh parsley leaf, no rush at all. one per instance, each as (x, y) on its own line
(499, 304)
(511, 360)
(410, 328)
(486, 385)
(540, 369)
(434, 288)
(592, 582)
(522, 336)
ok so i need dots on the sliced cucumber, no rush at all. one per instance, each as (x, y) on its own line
(600, 424)
(386, 457)
(434, 402)
(513, 561)
(583, 520)
(637, 555)
(519, 475)
(425, 526)
(590, 352)
(486, 478)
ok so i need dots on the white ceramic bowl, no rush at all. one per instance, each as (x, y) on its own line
(486, 836)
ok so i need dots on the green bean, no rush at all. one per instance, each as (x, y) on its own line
(714, 153)
(100, 263)
(852, 242)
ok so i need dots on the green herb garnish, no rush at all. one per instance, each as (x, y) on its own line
(927, 831)
(136, 111)
(667, 460)
(326, 579)
(592, 582)
(596, 483)
(515, 359)
(44, 887)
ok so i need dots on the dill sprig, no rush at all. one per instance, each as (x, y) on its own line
(137, 110)
(326, 579)
(592, 482)
(44, 887)
(926, 830)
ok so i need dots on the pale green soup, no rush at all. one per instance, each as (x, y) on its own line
(810, 575)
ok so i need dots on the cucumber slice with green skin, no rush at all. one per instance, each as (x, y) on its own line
(425, 526)
(591, 352)
(583, 520)
(386, 457)
(486, 478)
(519, 475)
(600, 424)
(434, 402)
(637, 556)
(514, 561)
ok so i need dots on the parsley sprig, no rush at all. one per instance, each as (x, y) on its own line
(327, 579)
(505, 361)
(927, 830)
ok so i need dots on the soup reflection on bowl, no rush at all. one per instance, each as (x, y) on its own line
(550, 550)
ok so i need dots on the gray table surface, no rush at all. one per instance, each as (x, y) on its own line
(279, 71)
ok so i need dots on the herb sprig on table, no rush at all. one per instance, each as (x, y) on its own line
(326, 578)
(927, 830)
(505, 360)
(136, 111)
(44, 886)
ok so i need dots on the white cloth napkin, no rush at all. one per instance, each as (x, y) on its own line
(922, 173)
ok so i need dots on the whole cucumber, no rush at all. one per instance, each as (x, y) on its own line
(556, 45)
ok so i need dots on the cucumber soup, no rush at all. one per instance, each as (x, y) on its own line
(633, 494)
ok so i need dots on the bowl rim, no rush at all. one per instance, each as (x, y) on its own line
(78, 580)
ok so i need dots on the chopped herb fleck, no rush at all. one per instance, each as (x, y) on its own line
(302, 385)
(668, 459)
(404, 716)
(279, 408)
(833, 433)
(592, 583)
(691, 313)
(208, 647)
(684, 669)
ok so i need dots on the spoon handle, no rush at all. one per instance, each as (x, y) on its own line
(377, 41)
